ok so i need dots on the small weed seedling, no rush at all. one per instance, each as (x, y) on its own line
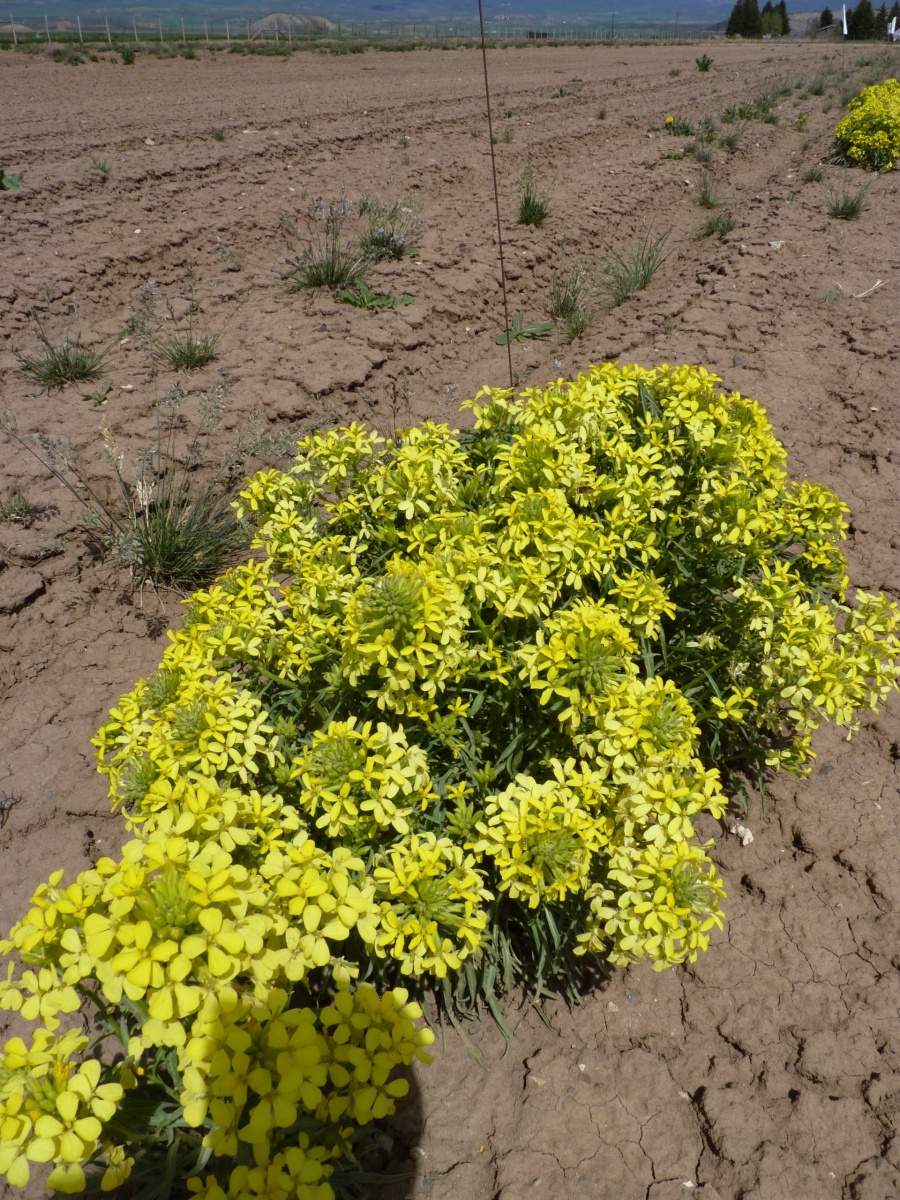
(128, 57)
(679, 127)
(218, 134)
(708, 195)
(601, 114)
(14, 506)
(730, 141)
(519, 332)
(718, 226)
(847, 205)
(533, 207)
(706, 132)
(9, 183)
(361, 296)
(99, 397)
(101, 166)
(675, 72)
(813, 175)
(570, 301)
(59, 365)
(704, 63)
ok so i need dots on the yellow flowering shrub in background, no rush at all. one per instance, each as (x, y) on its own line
(451, 727)
(869, 136)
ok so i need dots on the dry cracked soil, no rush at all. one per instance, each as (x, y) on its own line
(769, 1070)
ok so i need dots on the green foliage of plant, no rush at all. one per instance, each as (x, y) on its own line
(9, 183)
(570, 300)
(452, 725)
(706, 131)
(190, 353)
(533, 207)
(361, 296)
(813, 175)
(679, 127)
(59, 364)
(14, 506)
(390, 231)
(869, 136)
(128, 56)
(702, 153)
(758, 109)
(847, 205)
(185, 349)
(518, 331)
(329, 259)
(624, 275)
(708, 194)
(718, 226)
(704, 63)
(165, 528)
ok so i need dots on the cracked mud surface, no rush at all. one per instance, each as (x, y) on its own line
(771, 1069)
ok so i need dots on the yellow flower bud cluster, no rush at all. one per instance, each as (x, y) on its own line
(452, 725)
(869, 136)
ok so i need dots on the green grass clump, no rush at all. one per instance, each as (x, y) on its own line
(718, 225)
(626, 274)
(58, 364)
(14, 506)
(570, 301)
(180, 540)
(189, 353)
(845, 205)
(390, 231)
(533, 207)
(708, 195)
(330, 258)
(813, 175)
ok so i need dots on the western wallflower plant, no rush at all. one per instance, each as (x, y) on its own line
(452, 728)
(869, 136)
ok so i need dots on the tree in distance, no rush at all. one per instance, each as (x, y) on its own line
(745, 20)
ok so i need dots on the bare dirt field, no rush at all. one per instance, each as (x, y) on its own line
(769, 1070)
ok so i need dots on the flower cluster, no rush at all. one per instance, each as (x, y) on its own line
(869, 136)
(451, 727)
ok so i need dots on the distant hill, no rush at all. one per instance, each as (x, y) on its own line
(577, 12)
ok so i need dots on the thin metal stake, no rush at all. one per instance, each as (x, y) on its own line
(487, 98)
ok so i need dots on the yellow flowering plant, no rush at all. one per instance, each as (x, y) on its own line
(450, 729)
(869, 136)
